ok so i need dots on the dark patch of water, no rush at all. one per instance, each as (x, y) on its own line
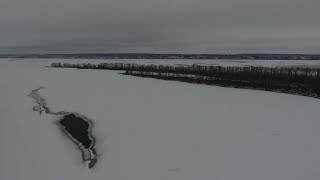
(78, 128)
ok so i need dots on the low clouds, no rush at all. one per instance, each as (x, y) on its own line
(167, 26)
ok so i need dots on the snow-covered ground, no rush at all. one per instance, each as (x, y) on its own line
(154, 129)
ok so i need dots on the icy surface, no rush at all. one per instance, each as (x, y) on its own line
(154, 129)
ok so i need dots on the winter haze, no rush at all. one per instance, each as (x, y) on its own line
(166, 26)
(132, 112)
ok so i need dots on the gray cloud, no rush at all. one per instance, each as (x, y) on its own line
(166, 26)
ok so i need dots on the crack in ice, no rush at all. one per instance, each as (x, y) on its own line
(77, 128)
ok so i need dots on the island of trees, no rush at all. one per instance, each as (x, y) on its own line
(291, 80)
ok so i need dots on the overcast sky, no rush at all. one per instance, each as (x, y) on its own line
(160, 26)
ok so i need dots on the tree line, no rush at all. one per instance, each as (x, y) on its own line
(293, 80)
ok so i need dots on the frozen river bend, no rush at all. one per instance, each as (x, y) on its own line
(153, 129)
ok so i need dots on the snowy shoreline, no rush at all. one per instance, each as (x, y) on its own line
(290, 80)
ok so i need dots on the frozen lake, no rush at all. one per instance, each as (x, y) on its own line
(155, 129)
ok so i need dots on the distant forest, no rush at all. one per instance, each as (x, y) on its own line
(299, 81)
(167, 56)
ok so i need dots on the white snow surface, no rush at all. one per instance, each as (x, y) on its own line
(148, 129)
